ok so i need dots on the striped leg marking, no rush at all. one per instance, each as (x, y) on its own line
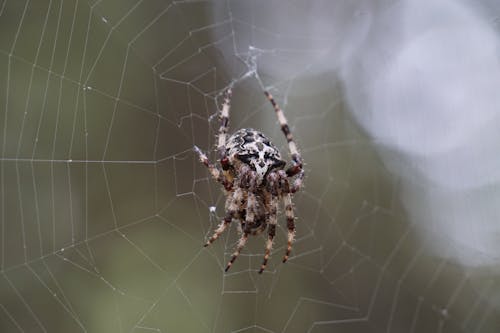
(216, 174)
(223, 129)
(220, 228)
(273, 221)
(214, 171)
(290, 222)
(232, 207)
(246, 231)
(296, 158)
(284, 125)
(297, 183)
(241, 245)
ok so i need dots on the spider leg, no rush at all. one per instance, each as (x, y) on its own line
(297, 183)
(223, 129)
(214, 171)
(296, 158)
(241, 245)
(290, 222)
(250, 216)
(232, 208)
(273, 221)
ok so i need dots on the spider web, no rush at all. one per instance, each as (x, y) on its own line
(105, 208)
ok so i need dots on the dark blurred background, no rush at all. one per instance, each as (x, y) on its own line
(105, 208)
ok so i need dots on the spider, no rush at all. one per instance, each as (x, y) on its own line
(255, 180)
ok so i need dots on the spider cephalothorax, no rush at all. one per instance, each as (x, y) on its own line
(255, 180)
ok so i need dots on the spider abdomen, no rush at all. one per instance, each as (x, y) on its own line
(254, 149)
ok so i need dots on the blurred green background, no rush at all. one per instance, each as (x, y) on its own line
(105, 207)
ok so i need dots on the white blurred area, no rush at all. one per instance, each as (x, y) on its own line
(426, 87)
(422, 77)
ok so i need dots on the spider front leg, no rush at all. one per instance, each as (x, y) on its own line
(296, 167)
(223, 129)
(214, 171)
(297, 183)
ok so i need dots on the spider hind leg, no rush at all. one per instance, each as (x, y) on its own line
(241, 245)
(249, 221)
(273, 221)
